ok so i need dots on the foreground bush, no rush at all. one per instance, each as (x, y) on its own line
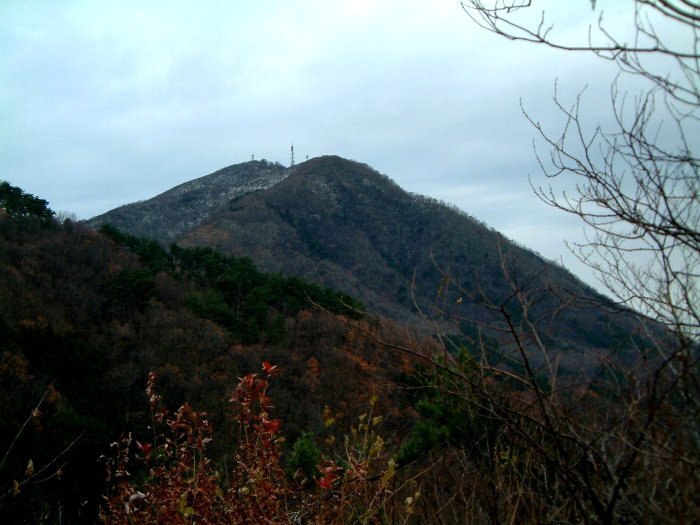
(181, 485)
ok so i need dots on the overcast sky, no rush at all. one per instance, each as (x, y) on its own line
(103, 103)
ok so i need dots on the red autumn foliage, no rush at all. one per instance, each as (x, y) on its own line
(182, 485)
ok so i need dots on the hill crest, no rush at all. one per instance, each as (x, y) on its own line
(187, 205)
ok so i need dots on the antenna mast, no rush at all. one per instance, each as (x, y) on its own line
(292, 163)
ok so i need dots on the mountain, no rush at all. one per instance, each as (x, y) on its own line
(342, 224)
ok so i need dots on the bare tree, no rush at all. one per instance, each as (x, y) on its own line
(637, 182)
(516, 442)
(619, 443)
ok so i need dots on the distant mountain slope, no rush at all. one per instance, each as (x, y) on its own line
(342, 224)
(185, 206)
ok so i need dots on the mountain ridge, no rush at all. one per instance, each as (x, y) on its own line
(192, 201)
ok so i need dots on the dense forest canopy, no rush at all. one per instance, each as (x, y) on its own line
(18, 204)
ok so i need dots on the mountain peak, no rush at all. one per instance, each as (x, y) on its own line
(333, 165)
(329, 161)
(344, 175)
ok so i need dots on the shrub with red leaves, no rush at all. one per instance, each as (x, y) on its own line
(182, 486)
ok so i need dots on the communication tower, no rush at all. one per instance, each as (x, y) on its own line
(292, 162)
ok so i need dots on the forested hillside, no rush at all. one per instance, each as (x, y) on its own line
(86, 315)
(144, 384)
